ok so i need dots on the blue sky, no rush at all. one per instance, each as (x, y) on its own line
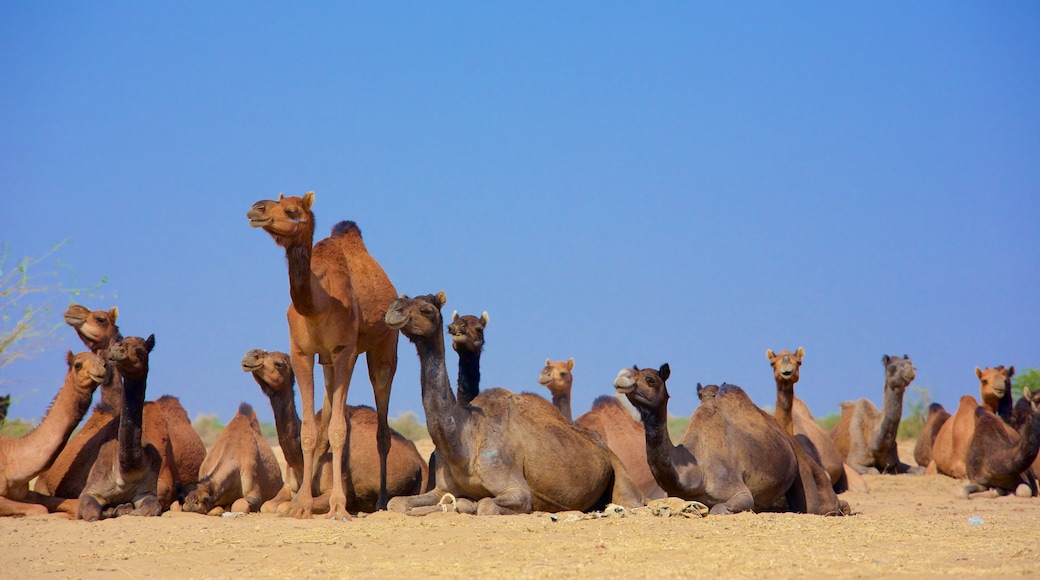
(621, 183)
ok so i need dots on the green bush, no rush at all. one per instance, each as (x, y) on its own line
(15, 428)
(828, 421)
(408, 425)
(677, 426)
(1027, 377)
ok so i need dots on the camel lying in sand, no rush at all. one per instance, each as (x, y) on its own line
(950, 447)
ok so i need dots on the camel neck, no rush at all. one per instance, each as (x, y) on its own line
(444, 416)
(784, 402)
(298, 255)
(660, 454)
(112, 388)
(286, 423)
(563, 403)
(131, 454)
(469, 376)
(41, 446)
(891, 413)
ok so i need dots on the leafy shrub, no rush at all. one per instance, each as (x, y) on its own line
(15, 428)
(209, 428)
(408, 425)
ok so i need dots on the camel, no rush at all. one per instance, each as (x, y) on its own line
(609, 420)
(950, 447)
(502, 453)
(467, 338)
(866, 437)
(23, 458)
(733, 457)
(339, 294)
(125, 474)
(937, 415)
(5, 403)
(706, 393)
(999, 457)
(406, 470)
(239, 473)
(166, 425)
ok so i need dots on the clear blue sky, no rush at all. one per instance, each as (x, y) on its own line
(621, 183)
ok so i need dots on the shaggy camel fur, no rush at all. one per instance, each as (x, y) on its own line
(999, 457)
(124, 477)
(950, 447)
(22, 459)
(937, 416)
(502, 453)
(733, 457)
(339, 294)
(406, 470)
(166, 425)
(795, 418)
(866, 437)
(239, 473)
(467, 338)
(608, 419)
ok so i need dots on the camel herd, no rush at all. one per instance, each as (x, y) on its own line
(496, 451)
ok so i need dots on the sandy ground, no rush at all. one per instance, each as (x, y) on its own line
(906, 526)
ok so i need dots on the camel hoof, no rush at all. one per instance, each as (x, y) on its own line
(1023, 490)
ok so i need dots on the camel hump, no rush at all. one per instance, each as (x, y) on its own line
(170, 404)
(731, 390)
(935, 408)
(245, 409)
(607, 401)
(345, 227)
(362, 415)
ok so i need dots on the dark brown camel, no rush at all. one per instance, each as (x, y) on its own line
(503, 452)
(999, 457)
(124, 477)
(467, 338)
(950, 448)
(239, 473)
(609, 420)
(23, 458)
(339, 295)
(406, 470)
(866, 437)
(733, 457)
(937, 415)
(706, 393)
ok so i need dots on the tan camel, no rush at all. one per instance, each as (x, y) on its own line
(999, 457)
(950, 448)
(239, 473)
(795, 418)
(937, 415)
(866, 437)
(502, 453)
(706, 393)
(733, 457)
(609, 420)
(467, 338)
(166, 425)
(23, 458)
(339, 295)
(406, 470)
(125, 475)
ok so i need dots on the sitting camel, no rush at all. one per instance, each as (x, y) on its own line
(797, 421)
(502, 453)
(937, 416)
(733, 457)
(166, 425)
(124, 477)
(999, 457)
(950, 448)
(467, 338)
(608, 419)
(239, 473)
(866, 437)
(406, 470)
(23, 458)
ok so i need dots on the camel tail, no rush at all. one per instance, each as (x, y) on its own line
(345, 227)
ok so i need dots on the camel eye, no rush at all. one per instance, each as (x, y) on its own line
(78, 366)
(99, 320)
(279, 364)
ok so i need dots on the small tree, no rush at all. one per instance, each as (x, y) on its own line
(1029, 377)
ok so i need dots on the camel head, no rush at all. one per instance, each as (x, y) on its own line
(995, 382)
(5, 403)
(467, 332)
(899, 372)
(197, 498)
(417, 318)
(644, 388)
(707, 393)
(1032, 397)
(557, 377)
(96, 329)
(272, 370)
(289, 219)
(130, 356)
(786, 364)
(87, 370)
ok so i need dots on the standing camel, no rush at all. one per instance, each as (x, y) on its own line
(339, 296)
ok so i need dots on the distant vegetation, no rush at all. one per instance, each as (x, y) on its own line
(915, 412)
(409, 425)
(1028, 377)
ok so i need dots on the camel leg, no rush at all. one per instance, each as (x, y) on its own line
(854, 481)
(908, 469)
(410, 504)
(339, 430)
(271, 506)
(147, 505)
(974, 490)
(10, 507)
(624, 491)
(382, 366)
(303, 368)
(251, 498)
(742, 501)
(514, 500)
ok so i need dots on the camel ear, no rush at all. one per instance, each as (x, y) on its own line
(547, 362)
(665, 371)
(149, 342)
(700, 387)
(906, 356)
(1025, 393)
(800, 352)
(570, 364)
(308, 200)
(770, 354)
(1011, 371)
(113, 313)
(69, 358)
(885, 360)
(441, 299)
(485, 318)
(978, 372)
(454, 315)
(281, 196)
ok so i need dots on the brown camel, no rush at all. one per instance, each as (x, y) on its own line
(950, 448)
(999, 457)
(866, 437)
(125, 475)
(502, 453)
(467, 338)
(339, 295)
(608, 419)
(166, 425)
(406, 470)
(937, 415)
(5, 403)
(733, 457)
(707, 393)
(239, 473)
(22, 459)
(795, 418)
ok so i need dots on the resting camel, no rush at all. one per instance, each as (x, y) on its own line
(23, 458)
(937, 415)
(502, 453)
(166, 425)
(339, 295)
(797, 421)
(950, 448)
(239, 473)
(866, 437)
(467, 338)
(733, 457)
(406, 470)
(999, 457)
(608, 419)
(124, 477)
(707, 393)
